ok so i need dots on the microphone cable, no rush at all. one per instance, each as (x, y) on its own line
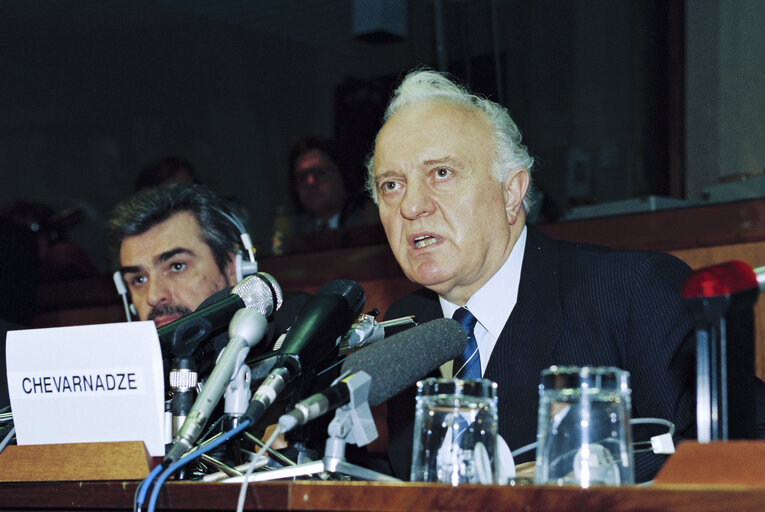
(6, 415)
(143, 487)
(185, 460)
(251, 467)
(211, 429)
(658, 443)
(7, 439)
(661, 443)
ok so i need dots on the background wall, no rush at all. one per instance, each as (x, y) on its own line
(93, 89)
(725, 76)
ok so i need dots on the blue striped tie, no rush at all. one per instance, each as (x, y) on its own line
(471, 369)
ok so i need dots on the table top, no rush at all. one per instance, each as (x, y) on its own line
(375, 496)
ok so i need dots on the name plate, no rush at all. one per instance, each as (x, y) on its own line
(84, 384)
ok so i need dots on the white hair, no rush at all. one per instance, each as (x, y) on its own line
(424, 85)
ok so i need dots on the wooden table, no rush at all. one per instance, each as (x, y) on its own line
(389, 497)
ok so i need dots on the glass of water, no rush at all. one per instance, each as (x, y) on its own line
(583, 430)
(455, 432)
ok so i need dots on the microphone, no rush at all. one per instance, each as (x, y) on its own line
(727, 278)
(323, 319)
(181, 340)
(366, 330)
(259, 291)
(393, 364)
(246, 329)
(721, 299)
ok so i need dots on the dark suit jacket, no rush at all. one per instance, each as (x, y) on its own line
(579, 305)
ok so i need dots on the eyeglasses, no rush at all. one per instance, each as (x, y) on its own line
(306, 176)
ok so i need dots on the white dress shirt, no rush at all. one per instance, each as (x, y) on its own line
(492, 304)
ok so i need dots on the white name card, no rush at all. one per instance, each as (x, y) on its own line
(92, 383)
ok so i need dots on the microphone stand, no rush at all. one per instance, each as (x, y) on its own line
(721, 299)
(183, 375)
(353, 423)
(236, 400)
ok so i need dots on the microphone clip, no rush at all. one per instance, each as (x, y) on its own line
(353, 422)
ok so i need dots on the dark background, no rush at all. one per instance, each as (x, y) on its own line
(604, 91)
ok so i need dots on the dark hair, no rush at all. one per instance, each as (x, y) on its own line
(327, 146)
(160, 170)
(144, 210)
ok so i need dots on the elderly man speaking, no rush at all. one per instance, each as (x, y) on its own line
(451, 179)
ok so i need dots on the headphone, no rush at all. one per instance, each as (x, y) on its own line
(242, 268)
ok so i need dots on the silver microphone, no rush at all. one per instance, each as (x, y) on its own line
(366, 330)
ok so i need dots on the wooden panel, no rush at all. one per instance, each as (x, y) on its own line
(373, 267)
(76, 461)
(383, 497)
(681, 228)
(733, 463)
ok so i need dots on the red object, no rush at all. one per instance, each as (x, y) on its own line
(722, 279)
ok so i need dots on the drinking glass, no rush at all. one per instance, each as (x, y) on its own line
(455, 431)
(583, 429)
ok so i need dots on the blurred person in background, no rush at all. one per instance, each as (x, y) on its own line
(166, 170)
(323, 195)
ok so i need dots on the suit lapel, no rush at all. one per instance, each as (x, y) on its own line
(536, 322)
(527, 342)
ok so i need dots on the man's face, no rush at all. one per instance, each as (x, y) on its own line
(170, 270)
(449, 222)
(319, 184)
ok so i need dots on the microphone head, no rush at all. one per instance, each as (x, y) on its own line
(349, 290)
(323, 319)
(249, 325)
(260, 292)
(726, 278)
(399, 361)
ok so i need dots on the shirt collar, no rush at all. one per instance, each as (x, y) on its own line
(495, 300)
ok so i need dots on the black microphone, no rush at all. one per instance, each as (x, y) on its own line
(393, 364)
(189, 342)
(246, 329)
(259, 291)
(325, 317)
